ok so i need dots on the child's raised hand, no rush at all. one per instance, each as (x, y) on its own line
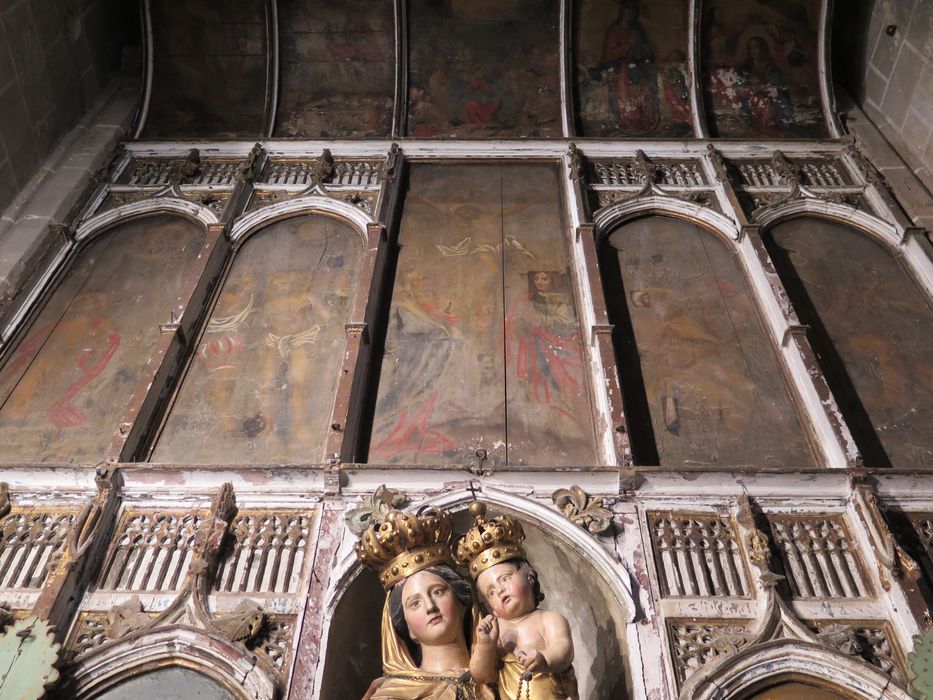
(487, 631)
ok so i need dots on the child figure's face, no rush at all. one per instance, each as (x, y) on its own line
(508, 592)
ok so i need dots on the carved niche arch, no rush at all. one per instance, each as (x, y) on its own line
(792, 660)
(305, 205)
(228, 664)
(569, 560)
(609, 218)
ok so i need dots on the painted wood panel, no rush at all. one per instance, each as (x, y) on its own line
(209, 69)
(761, 68)
(871, 328)
(483, 68)
(712, 387)
(261, 387)
(483, 348)
(631, 68)
(337, 69)
(64, 388)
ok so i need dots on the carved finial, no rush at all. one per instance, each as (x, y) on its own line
(718, 162)
(892, 560)
(580, 509)
(785, 168)
(321, 169)
(223, 507)
(374, 509)
(6, 503)
(249, 168)
(389, 168)
(647, 171)
(575, 157)
(757, 543)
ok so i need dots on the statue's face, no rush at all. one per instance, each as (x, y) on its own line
(432, 612)
(508, 592)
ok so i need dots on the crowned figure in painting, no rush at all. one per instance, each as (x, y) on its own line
(428, 614)
(528, 651)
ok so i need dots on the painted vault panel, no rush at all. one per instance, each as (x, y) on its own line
(630, 72)
(209, 73)
(483, 69)
(761, 69)
(337, 69)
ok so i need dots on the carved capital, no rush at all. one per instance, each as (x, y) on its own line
(373, 509)
(581, 509)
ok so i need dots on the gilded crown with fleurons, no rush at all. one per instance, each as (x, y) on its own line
(489, 542)
(402, 544)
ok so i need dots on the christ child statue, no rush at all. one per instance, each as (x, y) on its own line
(526, 650)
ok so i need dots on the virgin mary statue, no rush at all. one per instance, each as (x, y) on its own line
(429, 611)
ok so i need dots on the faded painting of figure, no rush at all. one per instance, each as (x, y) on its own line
(426, 330)
(463, 378)
(544, 334)
(275, 332)
(623, 85)
(711, 381)
(483, 69)
(64, 388)
(761, 69)
(633, 73)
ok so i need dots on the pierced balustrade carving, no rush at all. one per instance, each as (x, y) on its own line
(697, 555)
(923, 526)
(822, 173)
(151, 552)
(819, 561)
(345, 173)
(266, 555)
(631, 174)
(151, 173)
(32, 543)
(695, 645)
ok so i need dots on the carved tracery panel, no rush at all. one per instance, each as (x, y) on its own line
(701, 382)
(66, 385)
(261, 386)
(870, 327)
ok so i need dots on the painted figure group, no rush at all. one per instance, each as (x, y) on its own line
(444, 638)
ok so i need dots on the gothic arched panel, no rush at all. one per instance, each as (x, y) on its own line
(701, 382)
(870, 327)
(261, 386)
(65, 386)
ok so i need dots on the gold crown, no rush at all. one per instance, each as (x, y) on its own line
(489, 542)
(404, 543)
